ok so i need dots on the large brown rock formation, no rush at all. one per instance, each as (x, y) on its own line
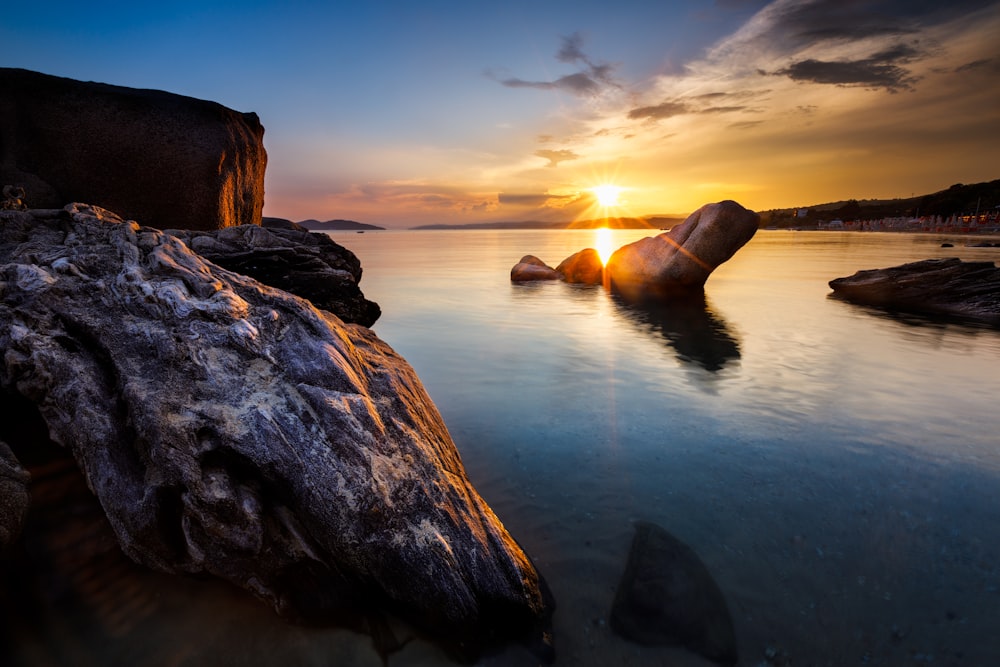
(165, 159)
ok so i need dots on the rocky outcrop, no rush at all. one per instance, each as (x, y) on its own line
(940, 287)
(679, 262)
(231, 429)
(667, 597)
(309, 265)
(531, 268)
(281, 223)
(583, 267)
(165, 159)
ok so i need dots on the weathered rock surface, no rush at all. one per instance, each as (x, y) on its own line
(948, 287)
(309, 265)
(14, 496)
(149, 155)
(583, 267)
(679, 262)
(667, 597)
(232, 429)
(531, 268)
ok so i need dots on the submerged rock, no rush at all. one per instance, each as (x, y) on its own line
(232, 429)
(165, 159)
(531, 268)
(948, 287)
(306, 264)
(679, 261)
(667, 597)
(583, 267)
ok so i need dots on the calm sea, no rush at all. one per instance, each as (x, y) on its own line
(837, 469)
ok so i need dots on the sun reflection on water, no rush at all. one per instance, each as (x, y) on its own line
(604, 244)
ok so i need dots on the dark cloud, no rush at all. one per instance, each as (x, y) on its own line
(745, 124)
(590, 80)
(555, 157)
(660, 111)
(842, 20)
(578, 84)
(692, 105)
(571, 50)
(533, 199)
(976, 65)
(882, 70)
(730, 109)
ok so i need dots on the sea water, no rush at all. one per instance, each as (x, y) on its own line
(835, 467)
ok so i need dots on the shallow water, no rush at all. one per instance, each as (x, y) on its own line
(836, 468)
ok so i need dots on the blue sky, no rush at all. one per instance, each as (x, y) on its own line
(407, 113)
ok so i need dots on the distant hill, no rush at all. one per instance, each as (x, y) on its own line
(336, 225)
(613, 223)
(959, 199)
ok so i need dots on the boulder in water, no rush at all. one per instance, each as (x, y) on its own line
(583, 267)
(939, 287)
(678, 262)
(531, 268)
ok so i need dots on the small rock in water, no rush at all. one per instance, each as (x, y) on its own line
(667, 597)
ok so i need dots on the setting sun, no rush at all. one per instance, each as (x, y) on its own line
(607, 195)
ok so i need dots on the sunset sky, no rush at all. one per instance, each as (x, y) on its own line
(405, 113)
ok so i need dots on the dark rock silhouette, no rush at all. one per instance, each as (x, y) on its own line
(14, 496)
(231, 429)
(667, 597)
(309, 265)
(679, 262)
(938, 287)
(531, 268)
(583, 267)
(281, 223)
(149, 155)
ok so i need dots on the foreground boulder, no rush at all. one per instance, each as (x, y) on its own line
(229, 428)
(667, 597)
(306, 264)
(943, 287)
(678, 262)
(165, 159)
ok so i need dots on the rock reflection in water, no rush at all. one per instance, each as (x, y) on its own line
(688, 324)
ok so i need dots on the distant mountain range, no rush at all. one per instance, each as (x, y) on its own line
(654, 222)
(336, 225)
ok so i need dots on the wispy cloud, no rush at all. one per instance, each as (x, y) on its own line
(555, 157)
(592, 78)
